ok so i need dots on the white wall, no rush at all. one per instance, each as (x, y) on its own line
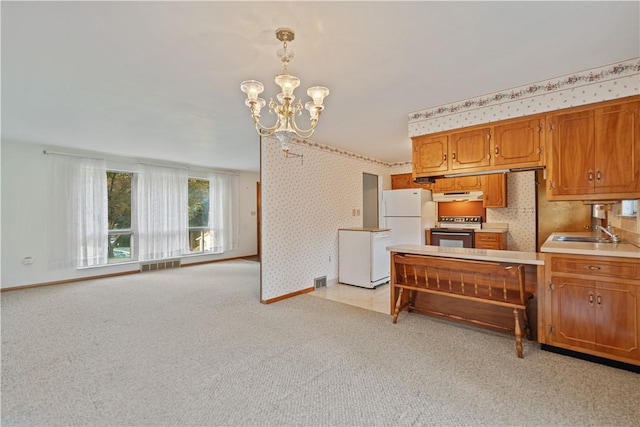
(304, 204)
(24, 221)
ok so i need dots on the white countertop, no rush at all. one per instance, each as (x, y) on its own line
(369, 229)
(491, 230)
(474, 254)
(624, 250)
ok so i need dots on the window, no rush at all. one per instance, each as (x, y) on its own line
(200, 239)
(119, 216)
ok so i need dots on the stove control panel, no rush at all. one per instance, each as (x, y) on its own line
(461, 219)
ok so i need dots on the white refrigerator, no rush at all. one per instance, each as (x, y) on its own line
(408, 213)
(363, 259)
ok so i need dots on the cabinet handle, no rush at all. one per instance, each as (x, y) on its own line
(552, 126)
(444, 157)
(488, 136)
(488, 156)
(593, 267)
(497, 150)
(598, 175)
(453, 155)
(591, 299)
(539, 151)
(599, 300)
(539, 128)
(590, 175)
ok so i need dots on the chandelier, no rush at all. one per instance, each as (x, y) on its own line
(285, 127)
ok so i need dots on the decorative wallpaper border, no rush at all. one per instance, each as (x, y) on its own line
(588, 77)
(345, 153)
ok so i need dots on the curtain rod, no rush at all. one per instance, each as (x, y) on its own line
(140, 162)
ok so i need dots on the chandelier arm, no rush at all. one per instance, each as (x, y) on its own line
(266, 130)
(308, 132)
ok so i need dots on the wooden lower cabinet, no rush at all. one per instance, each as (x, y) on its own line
(490, 240)
(593, 306)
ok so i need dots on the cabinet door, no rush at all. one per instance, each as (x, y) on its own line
(518, 143)
(573, 305)
(617, 317)
(444, 185)
(400, 181)
(573, 154)
(617, 150)
(469, 183)
(484, 240)
(470, 149)
(494, 188)
(430, 155)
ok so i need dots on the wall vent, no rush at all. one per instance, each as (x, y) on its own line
(320, 282)
(160, 265)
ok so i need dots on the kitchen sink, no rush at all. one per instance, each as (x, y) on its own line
(582, 239)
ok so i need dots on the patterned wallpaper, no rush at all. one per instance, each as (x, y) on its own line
(520, 212)
(306, 200)
(304, 203)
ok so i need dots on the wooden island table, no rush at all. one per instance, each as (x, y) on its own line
(483, 287)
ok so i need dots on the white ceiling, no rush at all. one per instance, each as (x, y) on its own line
(161, 80)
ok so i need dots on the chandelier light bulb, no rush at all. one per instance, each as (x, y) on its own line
(252, 88)
(318, 93)
(288, 83)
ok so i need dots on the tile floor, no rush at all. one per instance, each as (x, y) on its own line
(371, 299)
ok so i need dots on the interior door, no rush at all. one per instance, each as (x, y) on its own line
(370, 198)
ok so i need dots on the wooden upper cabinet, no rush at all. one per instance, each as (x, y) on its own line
(617, 149)
(430, 155)
(595, 153)
(402, 180)
(466, 183)
(572, 153)
(519, 143)
(444, 185)
(469, 183)
(470, 149)
(494, 190)
(405, 180)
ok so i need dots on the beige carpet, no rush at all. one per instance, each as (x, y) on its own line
(193, 346)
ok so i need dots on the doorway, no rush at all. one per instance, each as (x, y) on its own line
(370, 217)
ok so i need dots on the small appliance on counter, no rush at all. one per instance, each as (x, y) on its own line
(363, 259)
(456, 231)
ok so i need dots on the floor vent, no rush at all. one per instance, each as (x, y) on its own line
(160, 265)
(320, 282)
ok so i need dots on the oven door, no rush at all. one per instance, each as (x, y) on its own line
(452, 238)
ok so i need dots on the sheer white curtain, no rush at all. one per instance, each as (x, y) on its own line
(162, 219)
(92, 213)
(223, 215)
(62, 230)
(78, 228)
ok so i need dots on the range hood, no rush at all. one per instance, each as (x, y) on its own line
(458, 196)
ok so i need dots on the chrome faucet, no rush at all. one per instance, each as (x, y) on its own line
(613, 236)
